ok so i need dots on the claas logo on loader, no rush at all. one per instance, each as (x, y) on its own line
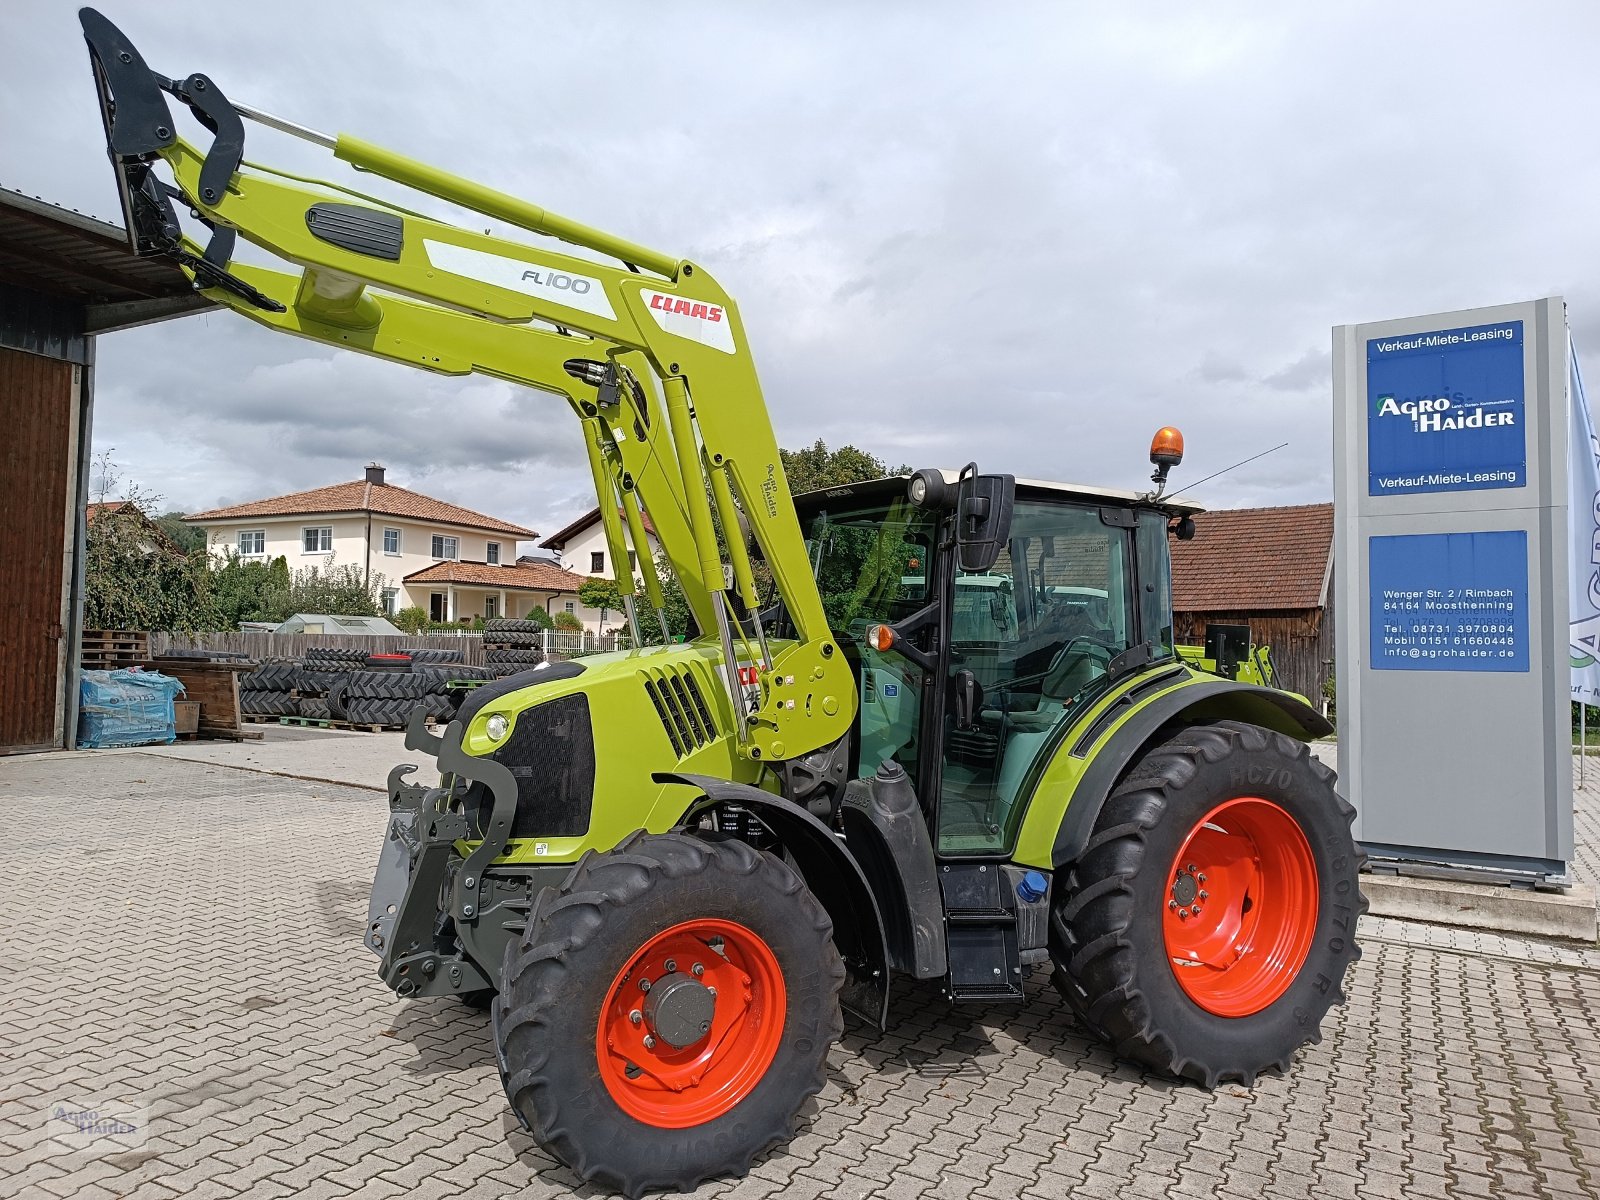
(689, 308)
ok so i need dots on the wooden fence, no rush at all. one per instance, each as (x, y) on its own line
(254, 644)
(294, 645)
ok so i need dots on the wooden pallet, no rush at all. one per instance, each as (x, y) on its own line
(356, 726)
(113, 649)
(331, 723)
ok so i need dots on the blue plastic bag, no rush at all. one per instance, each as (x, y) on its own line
(126, 708)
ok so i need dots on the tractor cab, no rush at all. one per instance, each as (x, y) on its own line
(972, 668)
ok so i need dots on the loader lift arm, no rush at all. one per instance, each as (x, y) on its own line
(383, 280)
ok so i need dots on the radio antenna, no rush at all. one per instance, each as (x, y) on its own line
(1225, 470)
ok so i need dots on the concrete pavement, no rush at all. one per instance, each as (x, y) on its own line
(183, 939)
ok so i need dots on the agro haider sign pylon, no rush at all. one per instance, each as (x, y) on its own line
(1451, 563)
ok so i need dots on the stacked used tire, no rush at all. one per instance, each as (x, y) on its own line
(381, 689)
(378, 697)
(324, 670)
(266, 690)
(512, 646)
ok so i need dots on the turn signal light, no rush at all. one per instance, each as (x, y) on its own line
(1166, 448)
(880, 638)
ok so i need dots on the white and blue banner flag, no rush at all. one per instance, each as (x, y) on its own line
(1583, 452)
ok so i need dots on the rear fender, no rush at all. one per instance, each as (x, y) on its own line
(834, 877)
(1098, 759)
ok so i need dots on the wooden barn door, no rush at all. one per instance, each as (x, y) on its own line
(36, 467)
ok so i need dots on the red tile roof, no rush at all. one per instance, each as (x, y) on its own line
(95, 509)
(360, 496)
(559, 540)
(1248, 559)
(539, 576)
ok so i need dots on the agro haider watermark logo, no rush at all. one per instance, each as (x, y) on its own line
(96, 1127)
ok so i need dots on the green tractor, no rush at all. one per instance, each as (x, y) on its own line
(934, 729)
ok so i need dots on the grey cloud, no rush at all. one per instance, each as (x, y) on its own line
(1216, 369)
(1312, 369)
(952, 233)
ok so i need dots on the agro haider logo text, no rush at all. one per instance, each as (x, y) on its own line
(1435, 414)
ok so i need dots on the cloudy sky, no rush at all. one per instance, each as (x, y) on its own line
(1023, 234)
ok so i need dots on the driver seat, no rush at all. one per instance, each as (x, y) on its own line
(1073, 666)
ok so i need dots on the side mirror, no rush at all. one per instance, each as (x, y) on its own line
(966, 697)
(983, 518)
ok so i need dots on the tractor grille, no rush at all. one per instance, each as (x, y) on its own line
(550, 753)
(681, 704)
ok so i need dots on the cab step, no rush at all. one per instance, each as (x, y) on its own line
(980, 933)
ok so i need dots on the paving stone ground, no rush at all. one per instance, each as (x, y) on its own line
(183, 938)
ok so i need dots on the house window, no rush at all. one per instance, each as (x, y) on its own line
(391, 597)
(252, 542)
(436, 606)
(492, 556)
(446, 547)
(597, 562)
(633, 561)
(570, 607)
(391, 541)
(491, 605)
(317, 539)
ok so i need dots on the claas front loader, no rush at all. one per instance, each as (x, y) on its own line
(946, 736)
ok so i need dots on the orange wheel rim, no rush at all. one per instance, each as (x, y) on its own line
(1241, 907)
(706, 1039)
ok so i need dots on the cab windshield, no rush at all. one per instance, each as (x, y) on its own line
(872, 564)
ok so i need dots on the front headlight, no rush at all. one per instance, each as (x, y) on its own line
(497, 727)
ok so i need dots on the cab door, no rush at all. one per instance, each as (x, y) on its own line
(1038, 632)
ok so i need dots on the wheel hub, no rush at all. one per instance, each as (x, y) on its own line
(679, 1010)
(1185, 889)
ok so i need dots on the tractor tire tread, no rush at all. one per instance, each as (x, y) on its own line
(427, 655)
(530, 654)
(513, 638)
(509, 625)
(1096, 962)
(537, 978)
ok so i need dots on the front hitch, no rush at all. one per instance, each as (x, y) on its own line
(419, 866)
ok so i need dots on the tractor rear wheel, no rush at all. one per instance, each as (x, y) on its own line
(667, 1011)
(1206, 927)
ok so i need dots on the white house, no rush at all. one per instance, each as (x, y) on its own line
(580, 550)
(581, 546)
(454, 563)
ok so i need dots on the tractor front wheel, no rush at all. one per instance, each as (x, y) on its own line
(1206, 927)
(667, 1011)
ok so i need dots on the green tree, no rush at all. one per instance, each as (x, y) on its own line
(680, 621)
(815, 466)
(251, 591)
(567, 622)
(600, 593)
(343, 591)
(411, 619)
(135, 578)
(186, 538)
